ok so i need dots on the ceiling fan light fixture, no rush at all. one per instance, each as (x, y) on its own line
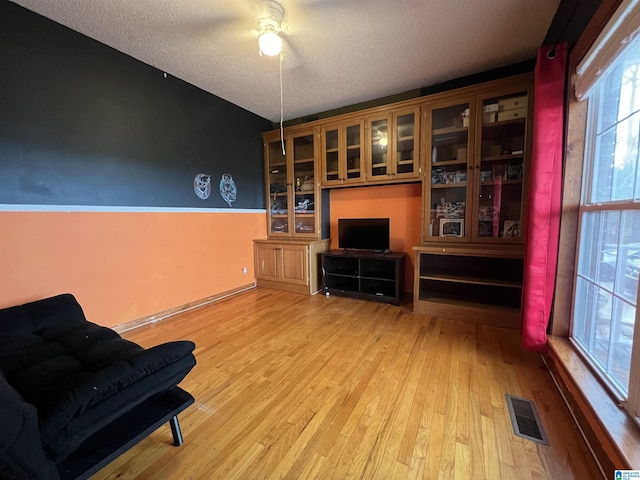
(270, 43)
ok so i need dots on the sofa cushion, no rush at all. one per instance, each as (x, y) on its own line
(65, 376)
(30, 317)
(77, 374)
(79, 390)
(83, 425)
(21, 453)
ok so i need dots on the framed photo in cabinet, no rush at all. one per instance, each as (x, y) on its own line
(452, 227)
(511, 229)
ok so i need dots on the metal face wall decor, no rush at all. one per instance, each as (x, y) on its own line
(202, 185)
(228, 190)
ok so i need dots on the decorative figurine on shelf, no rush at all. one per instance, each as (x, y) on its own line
(304, 206)
(307, 185)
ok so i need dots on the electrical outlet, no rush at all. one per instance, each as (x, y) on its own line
(244, 270)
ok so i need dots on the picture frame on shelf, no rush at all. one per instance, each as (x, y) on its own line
(452, 227)
(488, 213)
(511, 229)
(514, 171)
(485, 229)
(438, 176)
(451, 177)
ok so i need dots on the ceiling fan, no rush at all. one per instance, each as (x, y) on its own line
(270, 17)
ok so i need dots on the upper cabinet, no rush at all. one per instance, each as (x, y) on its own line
(293, 200)
(393, 139)
(475, 185)
(380, 147)
(449, 184)
(502, 162)
(342, 155)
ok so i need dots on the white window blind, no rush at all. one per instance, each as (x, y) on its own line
(621, 29)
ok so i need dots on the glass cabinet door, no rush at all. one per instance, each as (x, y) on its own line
(353, 155)
(330, 156)
(278, 204)
(446, 195)
(500, 169)
(406, 143)
(304, 208)
(342, 154)
(379, 148)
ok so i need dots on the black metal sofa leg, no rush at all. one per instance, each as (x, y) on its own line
(175, 431)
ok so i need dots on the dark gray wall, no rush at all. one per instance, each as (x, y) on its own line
(83, 124)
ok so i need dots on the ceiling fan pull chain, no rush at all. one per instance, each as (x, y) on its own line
(281, 110)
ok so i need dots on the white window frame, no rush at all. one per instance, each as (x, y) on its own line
(632, 401)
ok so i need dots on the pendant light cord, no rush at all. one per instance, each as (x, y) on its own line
(281, 109)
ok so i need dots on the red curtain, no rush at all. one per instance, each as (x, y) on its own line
(545, 196)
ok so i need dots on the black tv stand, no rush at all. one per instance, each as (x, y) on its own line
(364, 274)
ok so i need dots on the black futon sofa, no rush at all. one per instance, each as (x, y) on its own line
(75, 395)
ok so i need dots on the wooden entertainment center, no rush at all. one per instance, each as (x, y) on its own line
(469, 148)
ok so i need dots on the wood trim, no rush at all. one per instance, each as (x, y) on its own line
(156, 317)
(472, 250)
(285, 286)
(597, 23)
(572, 187)
(481, 88)
(613, 437)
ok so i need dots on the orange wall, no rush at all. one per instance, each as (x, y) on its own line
(401, 203)
(122, 266)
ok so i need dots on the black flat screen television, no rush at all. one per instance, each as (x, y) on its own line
(363, 234)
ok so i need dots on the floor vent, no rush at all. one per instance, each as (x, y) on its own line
(525, 420)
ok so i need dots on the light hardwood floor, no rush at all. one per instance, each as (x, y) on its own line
(292, 386)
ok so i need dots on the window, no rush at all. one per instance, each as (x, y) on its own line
(605, 309)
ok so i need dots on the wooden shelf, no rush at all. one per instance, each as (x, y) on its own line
(503, 123)
(500, 158)
(405, 139)
(463, 281)
(461, 303)
(449, 162)
(449, 130)
(472, 280)
(449, 185)
(503, 182)
(304, 160)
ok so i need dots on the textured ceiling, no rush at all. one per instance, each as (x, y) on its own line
(337, 52)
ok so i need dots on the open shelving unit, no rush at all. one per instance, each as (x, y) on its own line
(482, 284)
(372, 276)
